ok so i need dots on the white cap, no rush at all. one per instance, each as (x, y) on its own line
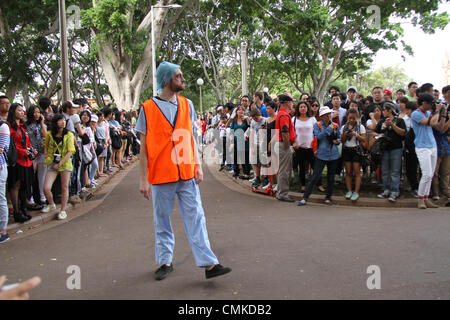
(94, 118)
(324, 110)
(352, 88)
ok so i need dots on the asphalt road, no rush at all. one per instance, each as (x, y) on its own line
(277, 250)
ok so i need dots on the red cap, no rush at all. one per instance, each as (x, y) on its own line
(388, 92)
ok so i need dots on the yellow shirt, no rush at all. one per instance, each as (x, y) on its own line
(67, 146)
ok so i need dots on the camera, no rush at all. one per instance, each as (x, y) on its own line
(31, 156)
(56, 158)
(333, 136)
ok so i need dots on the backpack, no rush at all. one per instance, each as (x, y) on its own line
(11, 156)
(315, 142)
(116, 139)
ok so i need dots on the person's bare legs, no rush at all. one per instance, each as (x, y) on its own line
(50, 178)
(357, 174)
(65, 179)
(349, 176)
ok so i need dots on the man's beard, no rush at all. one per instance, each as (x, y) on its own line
(177, 88)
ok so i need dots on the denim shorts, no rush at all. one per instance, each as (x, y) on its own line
(50, 169)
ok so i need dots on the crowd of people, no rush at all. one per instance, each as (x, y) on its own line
(50, 154)
(377, 137)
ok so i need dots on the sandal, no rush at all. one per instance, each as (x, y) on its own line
(321, 189)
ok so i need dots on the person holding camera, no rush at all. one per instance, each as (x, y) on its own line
(327, 153)
(353, 136)
(423, 119)
(390, 132)
(37, 131)
(20, 176)
(59, 146)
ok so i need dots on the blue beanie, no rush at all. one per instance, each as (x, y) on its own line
(164, 74)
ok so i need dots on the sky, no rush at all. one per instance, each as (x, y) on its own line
(429, 54)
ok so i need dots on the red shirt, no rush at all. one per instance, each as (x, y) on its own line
(284, 121)
(203, 126)
(22, 159)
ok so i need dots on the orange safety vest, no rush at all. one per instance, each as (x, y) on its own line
(170, 150)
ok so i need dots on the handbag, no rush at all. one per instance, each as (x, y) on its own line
(88, 157)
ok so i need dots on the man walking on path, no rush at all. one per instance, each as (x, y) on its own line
(170, 166)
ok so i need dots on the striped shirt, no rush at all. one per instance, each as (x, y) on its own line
(4, 142)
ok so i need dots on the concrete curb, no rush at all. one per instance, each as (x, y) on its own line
(42, 218)
(341, 201)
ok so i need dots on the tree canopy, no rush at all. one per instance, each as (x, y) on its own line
(292, 45)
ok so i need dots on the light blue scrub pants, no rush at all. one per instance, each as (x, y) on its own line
(193, 216)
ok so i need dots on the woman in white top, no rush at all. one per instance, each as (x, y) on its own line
(403, 112)
(353, 135)
(304, 129)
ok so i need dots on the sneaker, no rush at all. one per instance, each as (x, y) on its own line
(94, 182)
(328, 202)
(436, 198)
(257, 183)
(266, 186)
(393, 198)
(415, 193)
(48, 208)
(275, 188)
(62, 215)
(301, 203)
(384, 195)
(430, 204)
(355, 196)
(285, 199)
(231, 171)
(163, 272)
(421, 204)
(348, 195)
(74, 199)
(218, 270)
(252, 180)
(4, 237)
(43, 200)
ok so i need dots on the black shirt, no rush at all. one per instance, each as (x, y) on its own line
(396, 140)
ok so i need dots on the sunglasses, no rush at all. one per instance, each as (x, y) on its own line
(315, 105)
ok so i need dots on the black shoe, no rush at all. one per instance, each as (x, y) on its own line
(25, 213)
(163, 271)
(218, 270)
(19, 217)
(35, 207)
(221, 168)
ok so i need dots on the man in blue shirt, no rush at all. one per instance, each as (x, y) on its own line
(422, 121)
(258, 97)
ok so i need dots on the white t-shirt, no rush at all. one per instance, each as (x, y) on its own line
(351, 143)
(407, 120)
(304, 131)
